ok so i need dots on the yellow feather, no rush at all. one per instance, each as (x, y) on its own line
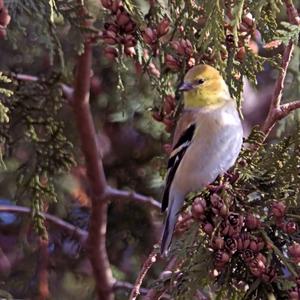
(212, 92)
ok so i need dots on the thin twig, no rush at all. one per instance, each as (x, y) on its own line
(67, 90)
(143, 272)
(154, 293)
(43, 269)
(275, 114)
(124, 285)
(277, 111)
(115, 194)
(289, 107)
(73, 230)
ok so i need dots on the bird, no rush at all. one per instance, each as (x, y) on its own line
(207, 141)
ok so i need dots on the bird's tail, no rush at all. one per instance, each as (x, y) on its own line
(170, 222)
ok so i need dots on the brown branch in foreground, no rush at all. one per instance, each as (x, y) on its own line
(98, 220)
(143, 272)
(71, 229)
(115, 194)
(43, 269)
(277, 111)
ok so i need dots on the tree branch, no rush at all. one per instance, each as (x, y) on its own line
(124, 285)
(87, 133)
(115, 194)
(43, 269)
(73, 230)
(143, 272)
(289, 107)
(154, 293)
(277, 111)
(274, 113)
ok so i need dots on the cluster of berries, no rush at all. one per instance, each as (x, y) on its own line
(183, 51)
(152, 35)
(119, 30)
(233, 234)
(4, 19)
(166, 114)
(247, 36)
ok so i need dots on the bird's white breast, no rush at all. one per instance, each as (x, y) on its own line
(214, 149)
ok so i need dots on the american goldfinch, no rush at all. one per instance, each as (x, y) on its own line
(207, 141)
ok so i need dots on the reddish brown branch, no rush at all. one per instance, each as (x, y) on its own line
(289, 107)
(146, 267)
(115, 194)
(274, 113)
(277, 111)
(71, 229)
(43, 269)
(87, 133)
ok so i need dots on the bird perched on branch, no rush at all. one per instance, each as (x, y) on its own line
(207, 141)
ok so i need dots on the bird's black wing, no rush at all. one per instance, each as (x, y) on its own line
(174, 161)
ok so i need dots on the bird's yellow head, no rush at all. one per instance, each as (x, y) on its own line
(203, 86)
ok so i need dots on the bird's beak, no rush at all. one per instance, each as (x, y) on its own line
(185, 86)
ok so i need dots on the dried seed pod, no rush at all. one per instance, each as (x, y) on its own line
(208, 228)
(231, 244)
(122, 18)
(115, 6)
(110, 37)
(269, 275)
(4, 17)
(172, 63)
(149, 36)
(163, 27)
(130, 27)
(240, 245)
(154, 70)
(278, 209)
(234, 219)
(253, 245)
(293, 294)
(111, 53)
(294, 250)
(257, 265)
(197, 210)
(107, 3)
(221, 259)
(129, 40)
(252, 222)
(129, 51)
(241, 53)
(290, 227)
(248, 255)
(216, 201)
(218, 243)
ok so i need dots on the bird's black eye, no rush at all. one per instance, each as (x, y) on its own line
(199, 81)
